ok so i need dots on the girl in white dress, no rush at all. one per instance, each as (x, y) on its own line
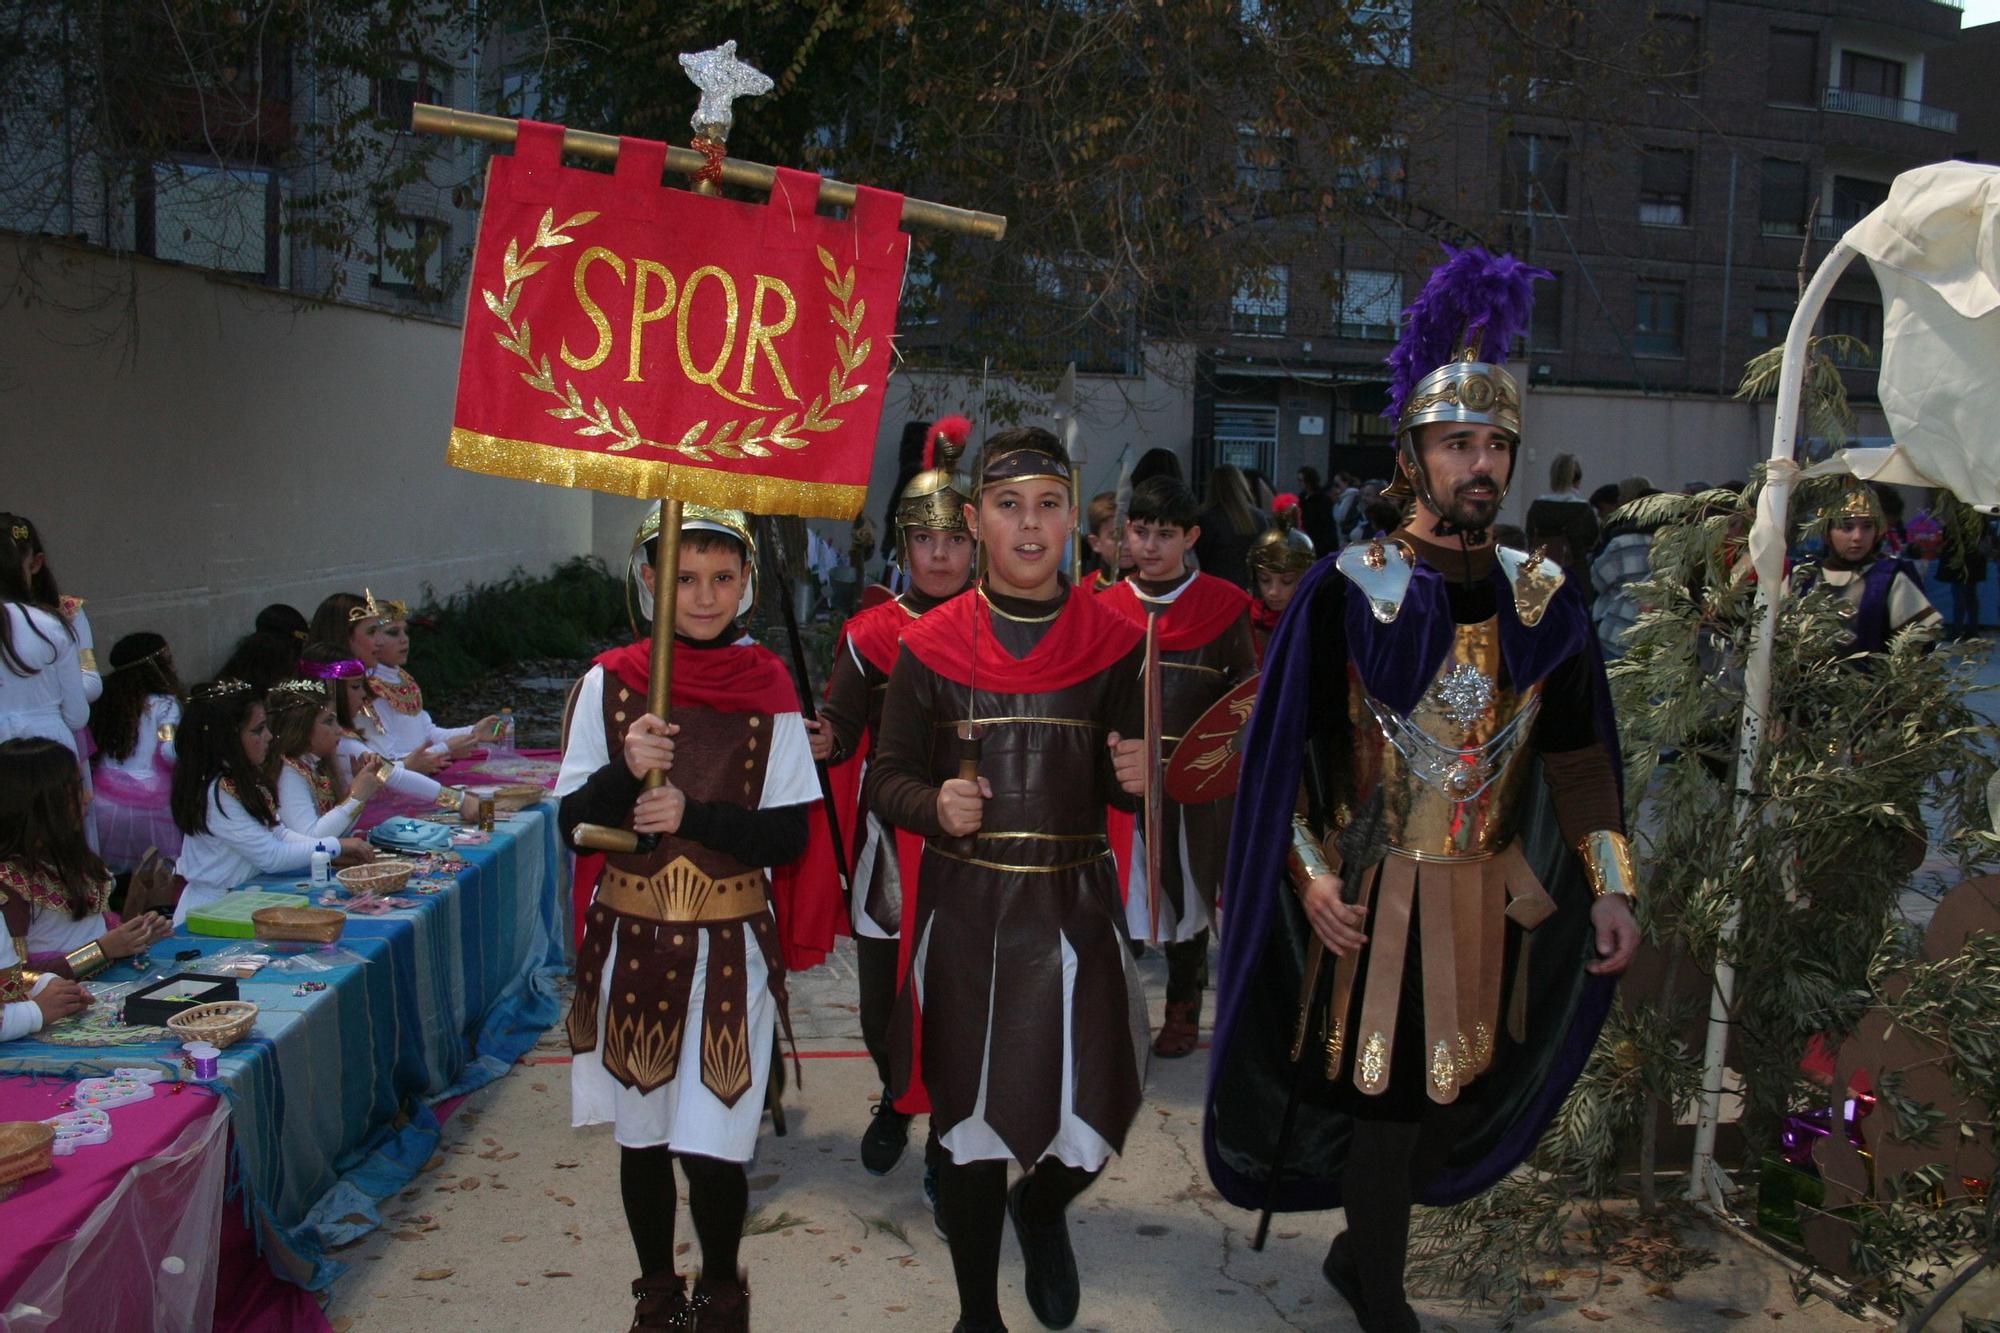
(42, 690)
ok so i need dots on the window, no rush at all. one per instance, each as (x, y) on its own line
(1791, 74)
(1677, 44)
(1860, 320)
(1545, 326)
(222, 218)
(1657, 331)
(1263, 161)
(1871, 75)
(1536, 175)
(1781, 198)
(1666, 177)
(1370, 304)
(1854, 199)
(409, 256)
(1382, 33)
(1262, 302)
(1771, 314)
(413, 81)
(1378, 173)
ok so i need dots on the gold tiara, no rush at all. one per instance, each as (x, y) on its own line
(297, 694)
(370, 609)
(222, 689)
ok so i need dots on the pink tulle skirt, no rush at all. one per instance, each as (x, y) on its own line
(132, 815)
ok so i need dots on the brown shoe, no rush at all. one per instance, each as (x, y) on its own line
(721, 1306)
(1180, 1032)
(662, 1304)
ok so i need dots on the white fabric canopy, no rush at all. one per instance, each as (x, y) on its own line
(1935, 248)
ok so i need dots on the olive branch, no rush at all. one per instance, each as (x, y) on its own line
(733, 439)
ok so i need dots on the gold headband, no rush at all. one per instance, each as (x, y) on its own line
(297, 694)
(222, 689)
(370, 609)
(1858, 500)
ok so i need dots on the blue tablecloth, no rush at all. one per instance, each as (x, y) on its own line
(332, 1092)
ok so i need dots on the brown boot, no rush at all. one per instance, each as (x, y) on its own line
(662, 1304)
(1181, 1030)
(721, 1306)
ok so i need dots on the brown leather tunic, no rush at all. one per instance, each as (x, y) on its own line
(996, 909)
(655, 907)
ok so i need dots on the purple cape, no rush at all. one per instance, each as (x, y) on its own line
(1871, 616)
(1263, 946)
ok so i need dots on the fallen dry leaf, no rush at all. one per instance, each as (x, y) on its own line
(539, 1087)
(509, 1240)
(437, 1160)
(435, 1274)
(1661, 1290)
(567, 1165)
(520, 1282)
(565, 1201)
(408, 1235)
(489, 1141)
(506, 1157)
(1731, 1312)
(340, 1323)
(1597, 1316)
(895, 1309)
(469, 1183)
(557, 1272)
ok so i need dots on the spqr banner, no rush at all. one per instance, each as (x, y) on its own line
(654, 342)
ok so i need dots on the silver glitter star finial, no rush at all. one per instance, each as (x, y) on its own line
(722, 79)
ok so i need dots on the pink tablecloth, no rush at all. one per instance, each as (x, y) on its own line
(480, 769)
(125, 1234)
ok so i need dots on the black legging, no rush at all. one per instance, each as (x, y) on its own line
(973, 1198)
(718, 1198)
(1388, 1163)
(1187, 968)
(875, 962)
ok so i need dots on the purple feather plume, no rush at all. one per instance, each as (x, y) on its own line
(1472, 296)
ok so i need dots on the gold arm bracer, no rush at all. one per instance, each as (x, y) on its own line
(87, 962)
(1607, 859)
(1304, 862)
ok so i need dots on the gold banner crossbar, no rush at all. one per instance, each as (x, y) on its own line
(426, 118)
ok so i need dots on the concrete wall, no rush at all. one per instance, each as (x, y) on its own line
(217, 446)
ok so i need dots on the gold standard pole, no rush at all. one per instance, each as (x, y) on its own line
(426, 118)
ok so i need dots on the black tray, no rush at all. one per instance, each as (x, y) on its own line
(149, 1007)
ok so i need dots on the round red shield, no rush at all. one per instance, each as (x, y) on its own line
(1208, 758)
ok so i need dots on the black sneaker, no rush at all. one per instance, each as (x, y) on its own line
(930, 1197)
(886, 1137)
(1050, 1281)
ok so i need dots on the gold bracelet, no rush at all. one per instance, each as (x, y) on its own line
(87, 659)
(449, 798)
(1607, 859)
(88, 961)
(1305, 862)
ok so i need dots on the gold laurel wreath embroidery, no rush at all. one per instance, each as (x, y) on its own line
(732, 439)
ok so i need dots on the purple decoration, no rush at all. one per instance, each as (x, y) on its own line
(1472, 296)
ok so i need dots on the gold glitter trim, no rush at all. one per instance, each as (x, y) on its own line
(87, 657)
(1374, 1063)
(1336, 1042)
(1444, 1073)
(650, 479)
(1482, 1045)
(1020, 869)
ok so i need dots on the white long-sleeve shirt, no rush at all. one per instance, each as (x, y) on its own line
(403, 781)
(21, 1018)
(86, 648)
(298, 808)
(51, 702)
(158, 722)
(237, 848)
(396, 733)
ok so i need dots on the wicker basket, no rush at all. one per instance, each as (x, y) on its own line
(309, 925)
(218, 1024)
(514, 796)
(377, 879)
(25, 1149)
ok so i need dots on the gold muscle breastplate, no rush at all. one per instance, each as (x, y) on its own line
(1452, 769)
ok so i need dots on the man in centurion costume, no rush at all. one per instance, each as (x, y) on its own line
(679, 977)
(1020, 1010)
(1881, 594)
(1429, 998)
(934, 546)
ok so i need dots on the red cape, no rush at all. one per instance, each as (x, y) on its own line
(1263, 620)
(1085, 638)
(741, 678)
(1204, 609)
(877, 633)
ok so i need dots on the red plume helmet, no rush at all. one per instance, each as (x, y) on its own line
(954, 430)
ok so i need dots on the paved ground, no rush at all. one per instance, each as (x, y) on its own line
(517, 1224)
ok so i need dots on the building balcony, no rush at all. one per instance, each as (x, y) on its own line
(1831, 227)
(1876, 107)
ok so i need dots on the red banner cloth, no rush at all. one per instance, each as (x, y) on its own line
(653, 342)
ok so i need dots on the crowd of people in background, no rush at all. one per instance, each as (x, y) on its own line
(128, 798)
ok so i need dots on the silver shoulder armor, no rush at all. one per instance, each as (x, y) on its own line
(1381, 570)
